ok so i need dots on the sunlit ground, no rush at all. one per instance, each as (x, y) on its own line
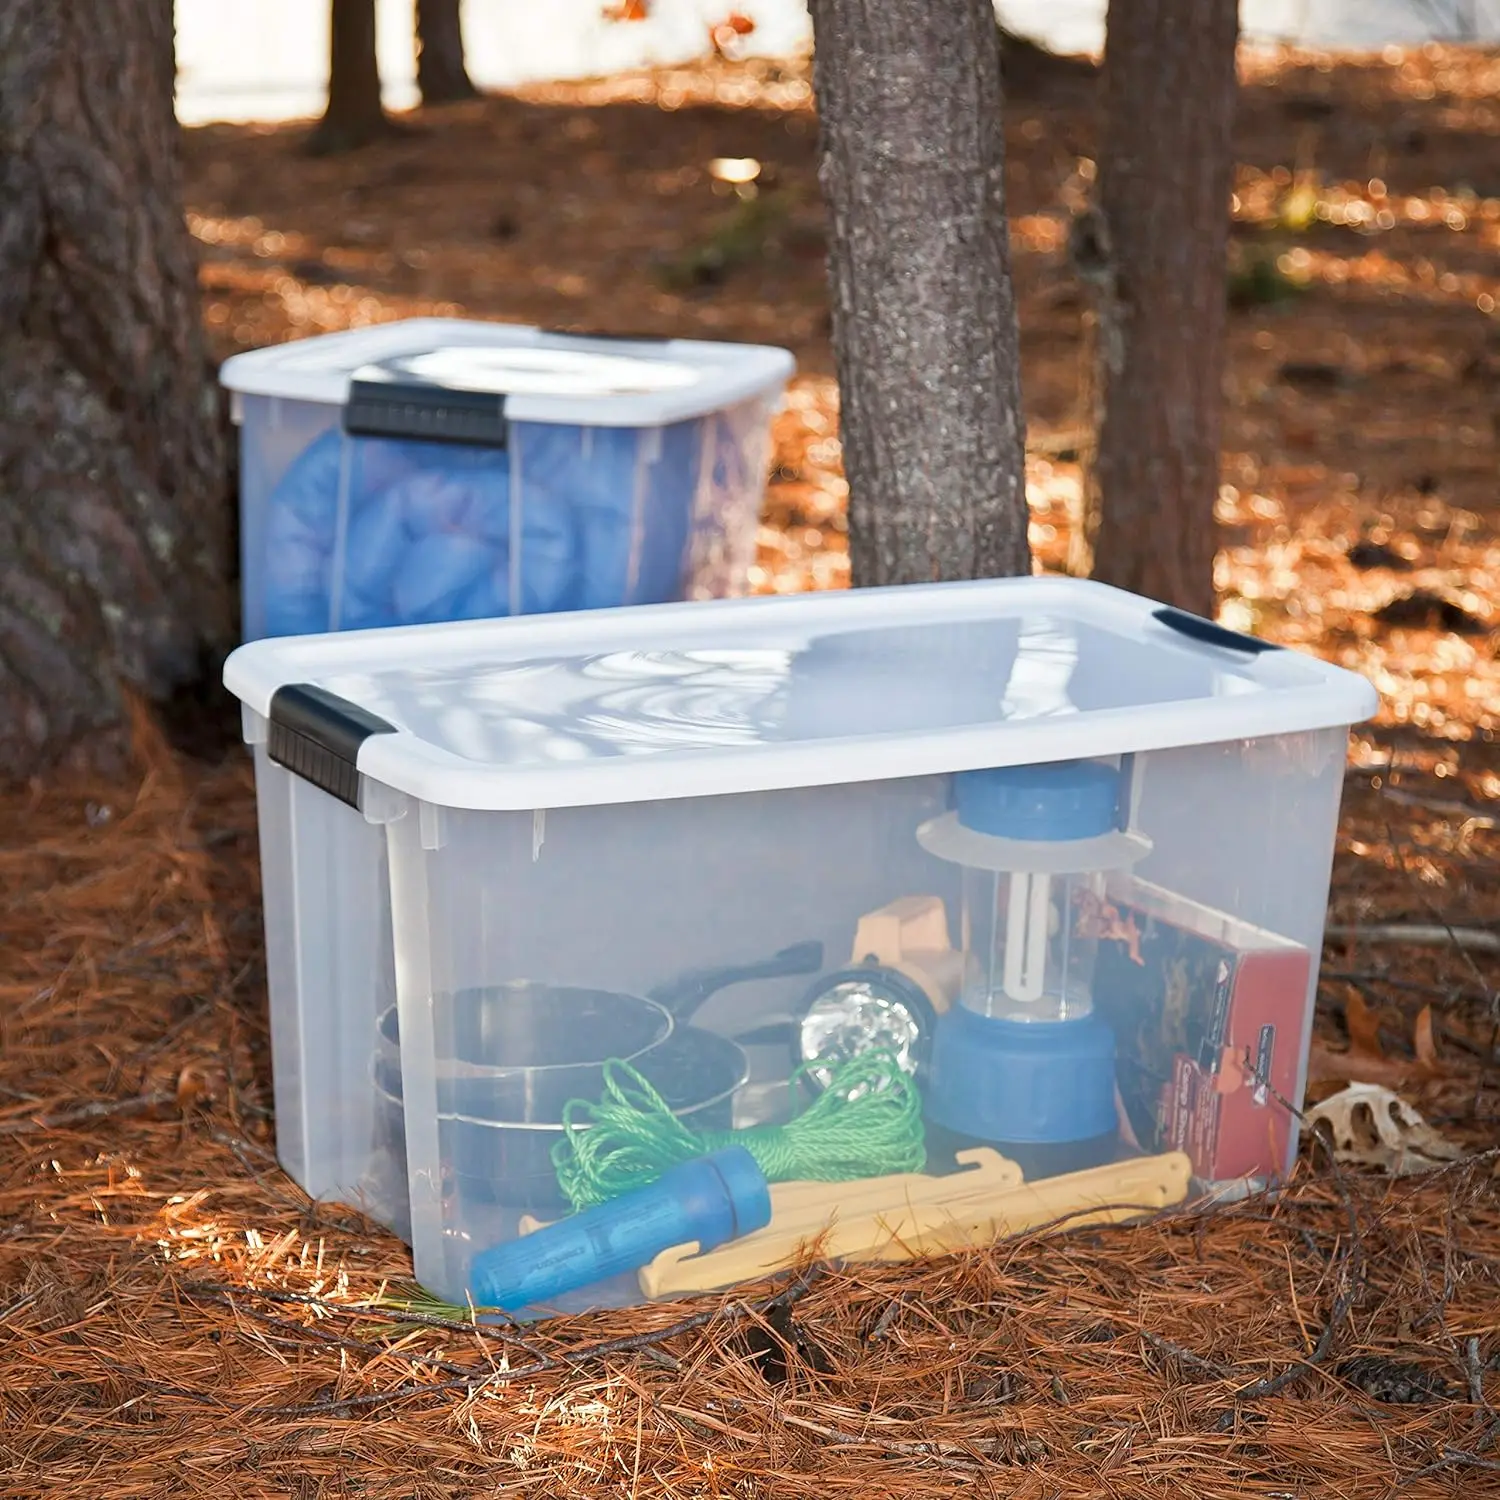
(1358, 510)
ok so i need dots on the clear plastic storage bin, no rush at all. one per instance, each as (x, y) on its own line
(438, 469)
(623, 954)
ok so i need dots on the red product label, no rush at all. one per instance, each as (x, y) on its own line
(1209, 1017)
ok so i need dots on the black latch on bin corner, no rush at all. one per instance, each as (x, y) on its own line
(1196, 628)
(316, 735)
(426, 413)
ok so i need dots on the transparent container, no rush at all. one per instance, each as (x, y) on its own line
(657, 876)
(439, 469)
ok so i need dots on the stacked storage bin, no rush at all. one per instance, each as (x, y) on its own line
(439, 469)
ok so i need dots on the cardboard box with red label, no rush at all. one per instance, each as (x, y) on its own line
(1211, 1017)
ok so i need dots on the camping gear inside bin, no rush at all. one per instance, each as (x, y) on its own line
(1024, 1062)
(743, 789)
(524, 1051)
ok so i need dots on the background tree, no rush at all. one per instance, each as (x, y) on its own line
(1155, 249)
(924, 318)
(354, 115)
(442, 77)
(114, 528)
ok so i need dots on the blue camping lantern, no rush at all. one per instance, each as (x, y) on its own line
(1023, 1061)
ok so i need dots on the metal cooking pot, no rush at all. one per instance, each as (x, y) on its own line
(523, 1051)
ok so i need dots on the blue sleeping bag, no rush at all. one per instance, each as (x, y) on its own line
(431, 531)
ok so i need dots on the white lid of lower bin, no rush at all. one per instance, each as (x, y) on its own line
(679, 700)
(590, 380)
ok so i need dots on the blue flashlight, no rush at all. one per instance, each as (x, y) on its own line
(713, 1199)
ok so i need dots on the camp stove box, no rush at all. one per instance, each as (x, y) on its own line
(1211, 1025)
(443, 469)
(821, 833)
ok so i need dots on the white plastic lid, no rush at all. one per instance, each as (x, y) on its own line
(544, 377)
(680, 700)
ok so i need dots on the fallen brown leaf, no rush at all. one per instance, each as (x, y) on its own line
(1365, 1060)
(1363, 1024)
(1424, 1043)
(1326, 1065)
(191, 1087)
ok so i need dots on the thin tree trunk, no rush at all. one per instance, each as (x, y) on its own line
(441, 75)
(924, 319)
(1165, 172)
(114, 526)
(355, 115)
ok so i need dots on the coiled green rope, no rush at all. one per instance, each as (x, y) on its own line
(866, 1123)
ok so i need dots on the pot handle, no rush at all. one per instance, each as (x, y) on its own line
(687, 993)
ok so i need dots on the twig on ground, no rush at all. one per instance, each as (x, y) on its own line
(1474, 1369)
(951, 1455)
(1476, 817)
(85, 1114)
(329, 1339)
(573, 1359)
(1422, 934)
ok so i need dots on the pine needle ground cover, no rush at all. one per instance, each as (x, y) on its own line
(177, 1319)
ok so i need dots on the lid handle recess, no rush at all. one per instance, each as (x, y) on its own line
(426, 413)
(1196, 628)
(603, 336)
(316, 735)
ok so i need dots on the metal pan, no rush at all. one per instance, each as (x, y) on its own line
(501, 1097)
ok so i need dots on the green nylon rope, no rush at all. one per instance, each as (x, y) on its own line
(866, 1123)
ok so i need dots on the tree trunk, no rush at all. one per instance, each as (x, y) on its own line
(924, 318)
(114, 526)
(1165, 172)
(354, 116)
(441, 75)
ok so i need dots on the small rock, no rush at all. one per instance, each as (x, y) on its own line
(1308, 107)
(993, 1387)
(1365, 555)
(1394, 1382)
(315, 273)
(1313, 375)
(1099, 1333)
(1423, 610)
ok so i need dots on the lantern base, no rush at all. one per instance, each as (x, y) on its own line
(1042, 1088)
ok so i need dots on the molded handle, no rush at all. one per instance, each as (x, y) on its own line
(1196, 628)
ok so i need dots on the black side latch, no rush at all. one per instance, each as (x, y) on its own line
(316, 735)
(1196, 628)
(426, 413)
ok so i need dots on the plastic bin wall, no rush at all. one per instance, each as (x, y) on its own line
(330, 973)
(624, 897)
(346, 533)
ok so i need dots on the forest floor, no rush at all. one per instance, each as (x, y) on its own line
(175, 1318)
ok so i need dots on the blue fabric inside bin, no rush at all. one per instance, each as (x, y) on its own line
(606, 515)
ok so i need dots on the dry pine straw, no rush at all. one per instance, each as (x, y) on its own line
(175, 1318)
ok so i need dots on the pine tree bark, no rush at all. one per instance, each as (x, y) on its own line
(1164, 178)
(924, 318)
(354, 115)
(442, 77)
(114, 525)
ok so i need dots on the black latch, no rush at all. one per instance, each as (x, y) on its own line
(1195, 627)
(426, 413)
(316, 735)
